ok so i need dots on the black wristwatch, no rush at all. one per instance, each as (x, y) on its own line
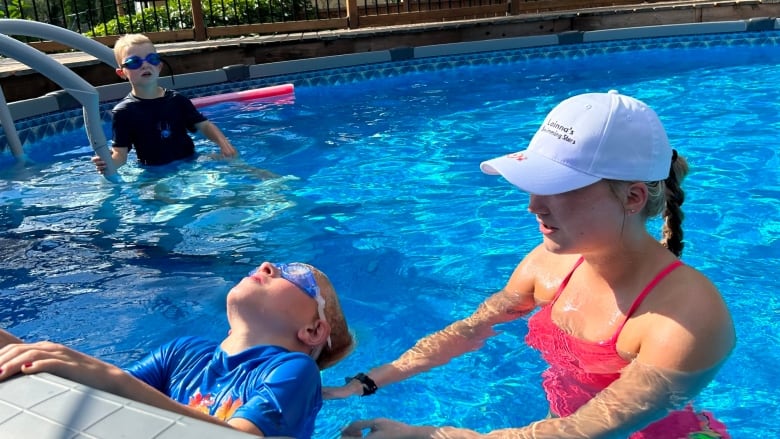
(369, 386)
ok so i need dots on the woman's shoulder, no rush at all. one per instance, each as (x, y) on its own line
(670, 287)
(685, 283)
(689, 318)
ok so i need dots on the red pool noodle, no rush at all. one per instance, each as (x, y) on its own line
(257, 93)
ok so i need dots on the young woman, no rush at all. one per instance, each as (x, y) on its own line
(631, 334)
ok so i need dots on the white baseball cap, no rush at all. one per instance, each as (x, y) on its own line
(587, 138)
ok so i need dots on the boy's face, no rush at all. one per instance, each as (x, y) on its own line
(146, 73)
(266, 296)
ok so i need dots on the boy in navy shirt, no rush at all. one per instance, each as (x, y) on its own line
(153, 120)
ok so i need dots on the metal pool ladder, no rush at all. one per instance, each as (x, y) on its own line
(81, 90)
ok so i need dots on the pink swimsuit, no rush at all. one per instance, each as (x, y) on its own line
(579, 369)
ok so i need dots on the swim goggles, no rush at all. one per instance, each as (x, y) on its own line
(302, 277)
(135, 62)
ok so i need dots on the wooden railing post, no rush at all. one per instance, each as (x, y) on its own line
(198, 24)
(353, 21)
(514, 7)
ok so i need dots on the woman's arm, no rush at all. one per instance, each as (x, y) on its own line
(458, 338)
(642, 395)
(515, 300)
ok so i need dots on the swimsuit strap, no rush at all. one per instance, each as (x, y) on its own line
(638, 301)
(566, 281)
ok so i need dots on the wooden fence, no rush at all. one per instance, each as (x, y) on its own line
(356, 14)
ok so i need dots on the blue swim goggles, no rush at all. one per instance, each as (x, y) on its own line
(302, 277)
(135, 62)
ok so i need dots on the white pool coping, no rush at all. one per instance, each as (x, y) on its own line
(44, 406)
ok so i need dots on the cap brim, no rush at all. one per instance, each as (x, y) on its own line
(536, 174)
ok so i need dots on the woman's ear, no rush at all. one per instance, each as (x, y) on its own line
(636, 197)
(315, 333)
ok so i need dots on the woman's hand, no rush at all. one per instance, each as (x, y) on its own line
(386, 429)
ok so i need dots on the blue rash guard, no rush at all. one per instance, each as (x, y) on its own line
(279, 391)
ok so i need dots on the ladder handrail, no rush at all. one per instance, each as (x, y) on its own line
(7, 122)
(77, 87)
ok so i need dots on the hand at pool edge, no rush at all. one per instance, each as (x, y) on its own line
(57, 359)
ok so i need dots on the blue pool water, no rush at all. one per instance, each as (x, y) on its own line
(379, 186)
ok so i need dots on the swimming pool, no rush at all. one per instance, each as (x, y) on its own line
(380, 187)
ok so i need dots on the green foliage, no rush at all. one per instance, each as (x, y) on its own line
(147, 20)
(177, 14)
(71, 14)
(14, 9)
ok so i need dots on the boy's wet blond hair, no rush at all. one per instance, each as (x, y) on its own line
(126, 41)
(341, 340)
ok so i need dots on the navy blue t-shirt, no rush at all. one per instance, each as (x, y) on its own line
(277, 390)
(156, 128)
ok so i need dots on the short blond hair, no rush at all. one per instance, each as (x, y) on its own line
(126, 41)
(342, 339)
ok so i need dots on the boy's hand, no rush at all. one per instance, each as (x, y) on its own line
(29, 358)
(228, 151)
(118, 156)
(99, 164)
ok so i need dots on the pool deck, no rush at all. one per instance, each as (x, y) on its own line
(44, 406)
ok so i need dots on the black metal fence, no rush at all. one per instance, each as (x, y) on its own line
(181, 20)
(96, 18)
